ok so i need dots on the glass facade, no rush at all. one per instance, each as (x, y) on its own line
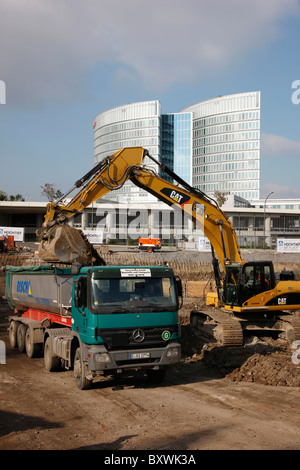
(226, 145)
(213, 145)
(167, 142)
(131, 125)
(176, 147)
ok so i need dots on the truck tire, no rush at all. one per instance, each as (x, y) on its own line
(80, 370)
(21, 332)
(12, 333)
(32, 349)
(51, 362)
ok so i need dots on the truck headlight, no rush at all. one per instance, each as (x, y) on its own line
(173, 352)
(102, 357)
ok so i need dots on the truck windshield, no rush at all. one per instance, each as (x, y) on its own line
(133, 295)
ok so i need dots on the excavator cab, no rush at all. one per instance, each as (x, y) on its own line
(243, 281)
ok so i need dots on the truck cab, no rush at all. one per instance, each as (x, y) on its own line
(126, 318)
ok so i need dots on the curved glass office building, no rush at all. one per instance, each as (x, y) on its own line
(214, 145)
(226, 144)
(131, 125)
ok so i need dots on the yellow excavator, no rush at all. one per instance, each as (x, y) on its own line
(249, 297)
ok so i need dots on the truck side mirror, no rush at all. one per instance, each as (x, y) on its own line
(178, 284)
(80, 297)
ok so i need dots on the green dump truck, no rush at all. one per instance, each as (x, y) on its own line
(96, 320)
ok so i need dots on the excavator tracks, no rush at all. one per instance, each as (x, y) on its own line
(217, 326)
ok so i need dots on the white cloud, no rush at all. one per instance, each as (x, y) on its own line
(46, 48)
(276, 145)
(280, 191)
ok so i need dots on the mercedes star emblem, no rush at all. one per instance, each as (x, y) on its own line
(138, 336)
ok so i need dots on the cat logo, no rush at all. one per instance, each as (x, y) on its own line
(176, 196)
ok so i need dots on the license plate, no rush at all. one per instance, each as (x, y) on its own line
(144, 355)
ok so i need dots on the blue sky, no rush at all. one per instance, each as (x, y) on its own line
(64, 61)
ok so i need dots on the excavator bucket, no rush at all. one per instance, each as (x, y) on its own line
(64, 244)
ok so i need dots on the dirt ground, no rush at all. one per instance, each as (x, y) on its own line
(215, 399)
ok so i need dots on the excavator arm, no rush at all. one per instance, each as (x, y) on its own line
(202, 210)
(60, 242)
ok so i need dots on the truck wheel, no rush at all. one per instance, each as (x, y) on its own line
(12, 334)
(21, 331)
(51, 362)
(80, 372)
(156, 376)
(32, 349)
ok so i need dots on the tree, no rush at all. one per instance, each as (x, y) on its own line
(50, 192)
(220, 197)
(4, 197)
(17, 197)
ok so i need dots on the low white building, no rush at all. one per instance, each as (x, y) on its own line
(257, 225)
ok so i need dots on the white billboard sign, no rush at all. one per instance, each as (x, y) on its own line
(288, 245)
(94, 236)
(204, 244)
(17, 232)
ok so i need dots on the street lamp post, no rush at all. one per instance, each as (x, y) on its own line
(272, 192)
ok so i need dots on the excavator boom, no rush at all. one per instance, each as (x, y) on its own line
(202, 210)
(62, 243)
